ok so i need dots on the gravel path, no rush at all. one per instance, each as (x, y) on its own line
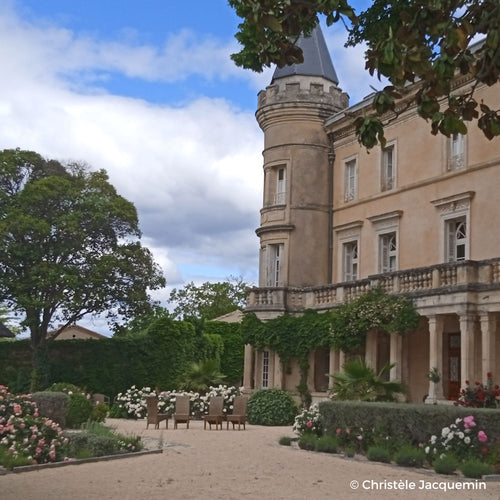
(231, 465)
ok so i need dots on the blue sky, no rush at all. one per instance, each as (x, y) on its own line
(146, 90)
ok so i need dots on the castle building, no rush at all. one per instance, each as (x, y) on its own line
(417, 218)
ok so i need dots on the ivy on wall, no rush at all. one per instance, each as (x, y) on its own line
(344, 328)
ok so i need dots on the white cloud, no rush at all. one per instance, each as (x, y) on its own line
(193, 172)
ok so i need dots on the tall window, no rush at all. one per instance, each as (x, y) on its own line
(350, 258)
(388, 252)
(280, 196)
(274, 274)
(456, 238)
(388, 169)
(456, 153)
(265, 369)
(350, 181)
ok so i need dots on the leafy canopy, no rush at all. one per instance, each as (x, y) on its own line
(408, 41)
(208, 300)
(69, 245)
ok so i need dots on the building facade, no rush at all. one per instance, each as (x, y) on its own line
(417, 217)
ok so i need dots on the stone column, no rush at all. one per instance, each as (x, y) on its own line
(435, 357)
(334, 365)
(467, 349)
(371, 349)
(248, 369)
(396, 349)
(488, 344)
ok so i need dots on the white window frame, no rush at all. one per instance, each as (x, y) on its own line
(280, 195)
(266, 364)
(350, 258)
(388, 252)
(384, 225)
(348, 234)
(350, 179)
(275, 254)
(456, 151)
(388, 168)
(453, 241)
(452, 209)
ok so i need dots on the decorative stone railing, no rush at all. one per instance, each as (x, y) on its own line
(432, 280)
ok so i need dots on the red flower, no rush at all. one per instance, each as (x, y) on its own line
(489, 375)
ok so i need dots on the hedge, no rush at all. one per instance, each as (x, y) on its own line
(157, 359)
(416, 422)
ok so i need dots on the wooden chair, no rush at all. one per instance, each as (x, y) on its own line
(181, 415)
(153, 416)
(215, 412)
(239, 412)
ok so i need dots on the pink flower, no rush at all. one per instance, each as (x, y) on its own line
(360, 438)
(339, 431)
(469, 422)
(309, 424)
(482, 437)
(347, 430)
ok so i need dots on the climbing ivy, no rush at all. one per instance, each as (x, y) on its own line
(374, 310)
(344, 328)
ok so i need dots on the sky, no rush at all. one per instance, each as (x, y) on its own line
(146, 90)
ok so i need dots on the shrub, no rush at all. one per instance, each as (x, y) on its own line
(308, 421)
(462, 438)
(327, 444)
(271, 407)
(378, 454)
(79, 410)
(480, 395)
(133, 401)
(285, 441)
(99, 412)
(350, 451)
(410, 456)
(308, 442)
(445, 464)
(25, 435)
(64, 387)
(97, 440)
(474, 468)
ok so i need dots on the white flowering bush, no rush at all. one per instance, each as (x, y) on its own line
(228, 393)
(308, 421)
(462, 439)
(133, 401)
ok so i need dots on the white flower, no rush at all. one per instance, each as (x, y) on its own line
(433, 439)
(461, 435)
(467, 440)
(445, 431)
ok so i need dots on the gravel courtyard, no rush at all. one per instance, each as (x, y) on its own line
(231, 465)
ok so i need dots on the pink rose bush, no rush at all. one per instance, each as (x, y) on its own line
(460, 439)
(25, 434)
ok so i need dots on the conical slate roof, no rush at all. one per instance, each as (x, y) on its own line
(317, 60)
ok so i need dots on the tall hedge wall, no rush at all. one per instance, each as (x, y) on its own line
(109, 366)
(231, 359)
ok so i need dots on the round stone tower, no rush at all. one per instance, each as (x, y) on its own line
(296, 222)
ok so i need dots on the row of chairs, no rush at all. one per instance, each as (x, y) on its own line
(215, 412)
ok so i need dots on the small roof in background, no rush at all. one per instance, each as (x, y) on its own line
(5, 332)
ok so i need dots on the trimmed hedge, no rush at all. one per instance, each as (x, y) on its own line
(157, 359)
(417, 422)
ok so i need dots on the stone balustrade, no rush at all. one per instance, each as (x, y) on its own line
(419, 282)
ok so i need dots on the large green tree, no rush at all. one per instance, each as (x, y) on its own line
(208, 300)
(408, 41)
(69, 246)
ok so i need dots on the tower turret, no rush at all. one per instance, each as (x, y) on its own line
(297, 172)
